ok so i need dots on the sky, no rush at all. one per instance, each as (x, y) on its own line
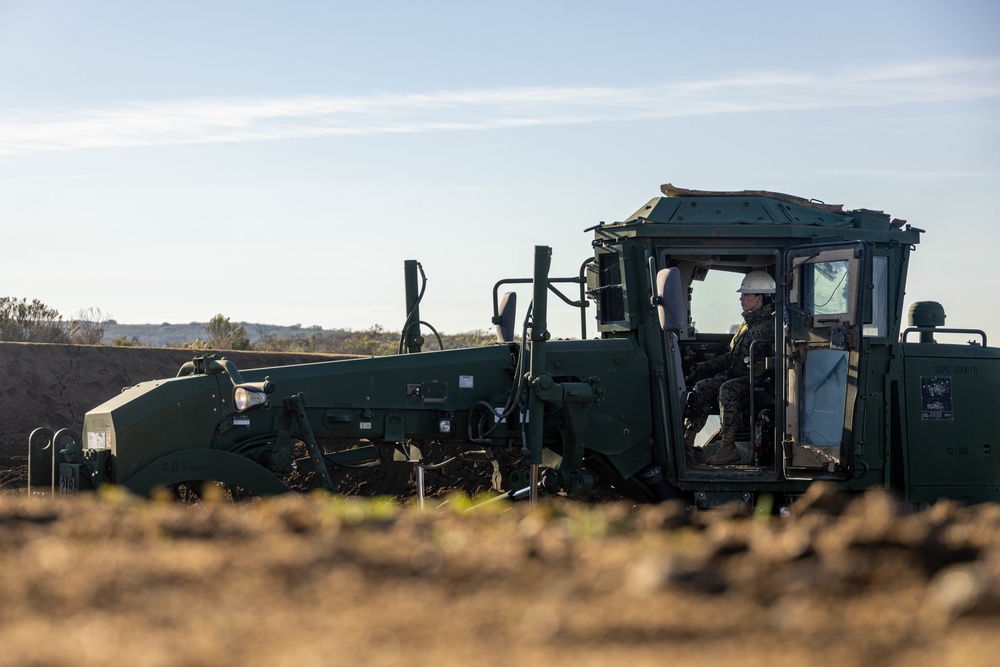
(277, 162)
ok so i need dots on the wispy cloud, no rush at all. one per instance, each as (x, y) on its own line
(261, 118)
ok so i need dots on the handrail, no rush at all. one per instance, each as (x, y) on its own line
(581, 304)
(933, 330)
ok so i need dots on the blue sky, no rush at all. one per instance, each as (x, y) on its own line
(277, 162)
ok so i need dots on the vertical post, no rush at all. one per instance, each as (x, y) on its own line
(539, 336)
(412, 340)
(420, 483)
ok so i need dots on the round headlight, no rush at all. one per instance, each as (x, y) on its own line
(250, 395)
(241, 398)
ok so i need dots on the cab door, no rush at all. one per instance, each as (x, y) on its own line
(823, 304)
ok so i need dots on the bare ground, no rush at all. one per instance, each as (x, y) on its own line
(319, 580)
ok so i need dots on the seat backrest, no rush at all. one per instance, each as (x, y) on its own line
(504, 319)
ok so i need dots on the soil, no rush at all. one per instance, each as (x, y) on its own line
(314, 579)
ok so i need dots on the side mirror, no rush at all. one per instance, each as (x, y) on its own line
(505, 320)
(669, 299)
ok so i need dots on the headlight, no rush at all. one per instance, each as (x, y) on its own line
(251, 395)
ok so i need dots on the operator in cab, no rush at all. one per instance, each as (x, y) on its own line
(727, 389)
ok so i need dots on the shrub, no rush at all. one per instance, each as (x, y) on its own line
(21, 321)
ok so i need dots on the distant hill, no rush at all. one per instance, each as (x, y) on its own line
(374, 340)
(175, 335)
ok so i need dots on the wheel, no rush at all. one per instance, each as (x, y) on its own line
(194, 492)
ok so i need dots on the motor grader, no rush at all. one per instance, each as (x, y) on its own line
(842, 394)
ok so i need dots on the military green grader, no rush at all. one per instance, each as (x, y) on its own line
(848, 395)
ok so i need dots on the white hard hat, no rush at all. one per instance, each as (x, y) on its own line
(757, 282)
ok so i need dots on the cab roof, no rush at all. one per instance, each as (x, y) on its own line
(681, 206)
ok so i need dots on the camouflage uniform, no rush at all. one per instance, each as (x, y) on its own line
(729, 388)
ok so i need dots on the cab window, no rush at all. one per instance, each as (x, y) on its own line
(878, 327)
(826, 288)
(715, 305)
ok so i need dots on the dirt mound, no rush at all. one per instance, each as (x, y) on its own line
(55, 385)
(332, 581)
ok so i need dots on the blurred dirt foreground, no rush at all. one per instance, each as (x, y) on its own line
(312, 579)
(321, 580)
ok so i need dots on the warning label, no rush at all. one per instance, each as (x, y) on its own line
(935, 398)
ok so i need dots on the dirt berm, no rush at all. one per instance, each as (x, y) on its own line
(55, 385)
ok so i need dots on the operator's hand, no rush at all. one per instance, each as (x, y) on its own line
(695, 371)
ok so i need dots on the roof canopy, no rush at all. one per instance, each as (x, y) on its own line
(681, 206)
